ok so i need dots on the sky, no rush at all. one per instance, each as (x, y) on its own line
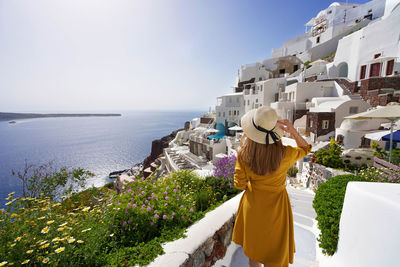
(97, 55)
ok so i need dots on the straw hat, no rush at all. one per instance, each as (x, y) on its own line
(260, 123)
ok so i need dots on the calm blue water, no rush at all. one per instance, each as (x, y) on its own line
(100, 145)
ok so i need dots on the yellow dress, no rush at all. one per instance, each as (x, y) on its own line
(264, 220)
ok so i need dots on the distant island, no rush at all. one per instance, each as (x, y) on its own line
(5, 116)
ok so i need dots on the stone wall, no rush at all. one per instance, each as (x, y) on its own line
(213, 249)
(314, 174)
(317, 118)
(371, 89)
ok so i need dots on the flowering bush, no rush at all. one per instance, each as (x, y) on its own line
(373, 174)
(99, 227)
(225, 168)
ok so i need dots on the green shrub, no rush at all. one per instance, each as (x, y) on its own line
(222, 187)
(292, 171)
(330, 157)
(328, 204)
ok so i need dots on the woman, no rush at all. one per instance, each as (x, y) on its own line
(264, 221)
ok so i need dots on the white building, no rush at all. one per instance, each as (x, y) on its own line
(230, 108)
(373, 51)
(351, 133)
(330, 25)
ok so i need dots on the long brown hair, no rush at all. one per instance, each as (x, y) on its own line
(261, 159)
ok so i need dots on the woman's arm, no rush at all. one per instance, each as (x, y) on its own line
(287, 126)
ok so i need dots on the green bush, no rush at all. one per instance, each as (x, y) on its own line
(330, 157)
(223, 188)
(328, 204)
(292, 171)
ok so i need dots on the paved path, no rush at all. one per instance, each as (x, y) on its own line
(304, 234)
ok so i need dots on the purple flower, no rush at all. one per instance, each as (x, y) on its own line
(118, 203)
(143, 192)
(156, 216)
(165, 192)
(126, 211)
(167, 187)
(148, 209)
(177, 197)
(129, 190)
(181, 206)
(173, 214)
(134, 206)
(183, 217)
(152, 194)
(166, 198)
(166, 204)
(124, 223)
(146, 201)
(154, 187)
(189, 219)
(164, 217)
(191, 210)
(176, 190)
(129, 204)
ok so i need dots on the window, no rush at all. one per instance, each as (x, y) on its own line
(389, 67)
(310, 124)
(219, 114)
(375, 70)
(318, 39)
(248, 102)
(223, 114)
(261, 87)
(256, 100)
(325, 124)
(229, 113)
(330, 12)
(353, 110)
(237, 112)
(260, 78)
(282, 71)
(363, 71)
(377, 55)
(370, 11)
(340, 139)
(295, 68)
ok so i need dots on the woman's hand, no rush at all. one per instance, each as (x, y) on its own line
(287, 126)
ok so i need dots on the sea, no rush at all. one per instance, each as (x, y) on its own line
(98, 144)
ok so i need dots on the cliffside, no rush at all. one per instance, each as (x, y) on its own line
(157, 147)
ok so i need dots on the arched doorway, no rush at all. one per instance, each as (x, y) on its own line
(343, 70)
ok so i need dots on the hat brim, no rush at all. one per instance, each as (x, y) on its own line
(254, 134)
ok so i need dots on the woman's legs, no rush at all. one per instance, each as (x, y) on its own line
(254, 263)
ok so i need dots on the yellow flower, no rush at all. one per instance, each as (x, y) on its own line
(43, 242)
(45, 260)
(45, 230)
(60, 228)
(85, 230)
(86, 209)
(3, 263)
(46, 245)
(63, 224)
(112, 235)
(25, 261)
(25, 235)
(71, 240)
(80, 241)
(56, 239)
(41, 218)
(50, 222)
(12, 193)
(8, 203)
(13, 245)
(18, 238)
(29, 251)
(13, 215)
(61, 249)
